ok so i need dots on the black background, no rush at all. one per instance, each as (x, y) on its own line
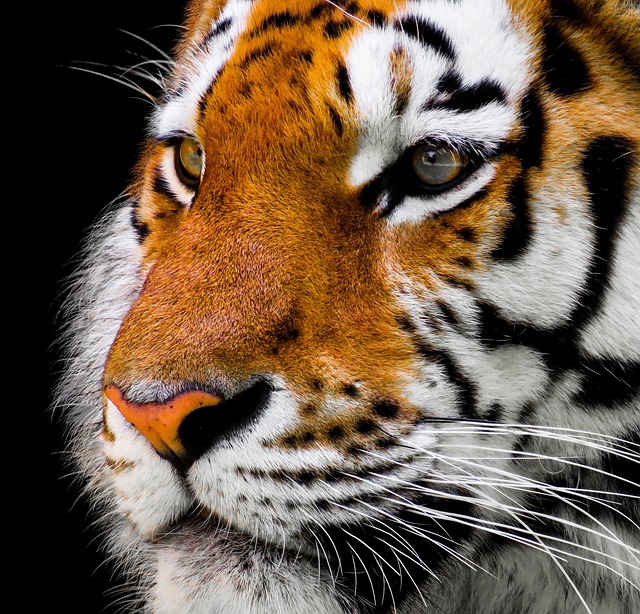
(79, 139)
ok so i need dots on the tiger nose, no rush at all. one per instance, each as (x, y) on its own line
(163, 424)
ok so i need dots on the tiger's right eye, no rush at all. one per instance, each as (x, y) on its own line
(189, 161)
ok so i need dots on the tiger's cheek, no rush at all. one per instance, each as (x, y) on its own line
(451, 247)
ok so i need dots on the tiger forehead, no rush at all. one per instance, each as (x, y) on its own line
(361, 63)
(263, 48)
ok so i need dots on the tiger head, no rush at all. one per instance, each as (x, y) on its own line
(366, 326)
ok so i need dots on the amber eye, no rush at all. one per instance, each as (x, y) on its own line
(435, 166)
(189, 161)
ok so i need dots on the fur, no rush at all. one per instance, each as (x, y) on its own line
(449, 418)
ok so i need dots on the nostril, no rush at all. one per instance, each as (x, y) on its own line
(204, 427)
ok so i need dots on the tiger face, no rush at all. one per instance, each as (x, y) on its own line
(365, 330)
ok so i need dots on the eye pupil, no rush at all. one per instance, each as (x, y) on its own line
(436, 166)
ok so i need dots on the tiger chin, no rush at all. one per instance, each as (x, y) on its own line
(363, 335)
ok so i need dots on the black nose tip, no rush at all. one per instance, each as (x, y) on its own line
(206, 426)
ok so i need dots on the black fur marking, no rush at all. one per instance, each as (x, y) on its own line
(626, 469)
(309, 409)
(141, 228)
(566, 9)
(365, 426)
(464, 261)
(447, 314)
(161, 186)
(606, 167)
(336, 120)
(534, 125)
(564, 69)
(467, 390)
(495, 412)
(386, 408)
(344, 83)
(517, 234)
(376, 18)
(335, 433)
(220, 28)
(257, 54)
(405, 323)
(333, 28)
(427, 34)
(465, 99)
(351, 390)
(449, 82)
(557, 345)
(467, 234)
(283, 19)
(306, 56)
(320, 9)
(608, 382)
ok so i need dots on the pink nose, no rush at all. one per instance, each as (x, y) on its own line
(160, 422)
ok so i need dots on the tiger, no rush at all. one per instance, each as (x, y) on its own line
(362, 335)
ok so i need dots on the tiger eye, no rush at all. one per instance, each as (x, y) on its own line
(189, 161)
(436, 166)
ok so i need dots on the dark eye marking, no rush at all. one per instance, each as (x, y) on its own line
(400, 179)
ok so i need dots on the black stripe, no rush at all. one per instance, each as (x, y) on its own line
(319, 9)
(161, 186)
(427, 34)
(449, 82)
(257, 54)
(283, 19)
(219, 28)
(465, 99)
(564, 69)
(447, 314)
(608, 382)
(566, 9)
(606, 167)
(141, 228)
(336, 120)
(344, 83)
(467, 390)
(556, 345)
(334, 28)
(534, 126)
(518, 232)
(376, 18)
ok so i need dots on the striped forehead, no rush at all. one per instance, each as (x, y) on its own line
(460, 85)
(410, 71)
